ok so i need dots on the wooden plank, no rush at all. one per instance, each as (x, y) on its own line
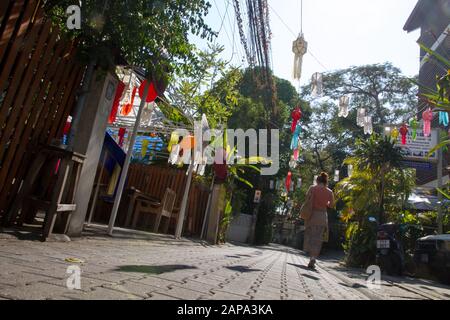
(30, 95)
(12, 27)
(19, 87)
(19, 52)
(4, 13)
(53, 101)
(68, 89)
(63, 107)
(71, 102)
(22, 141)
(30, 83)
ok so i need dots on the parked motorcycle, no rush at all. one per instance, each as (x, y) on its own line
(390, 252)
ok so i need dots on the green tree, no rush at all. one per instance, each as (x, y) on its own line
(379, 156)
(149, 34)
(213, 89)
(254, 112)
(387, 95)
(362, 197)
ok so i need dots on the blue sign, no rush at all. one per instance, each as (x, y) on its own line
(418, 165)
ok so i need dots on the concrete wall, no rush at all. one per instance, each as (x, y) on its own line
(239, 230)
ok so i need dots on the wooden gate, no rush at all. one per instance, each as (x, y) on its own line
(39, 79)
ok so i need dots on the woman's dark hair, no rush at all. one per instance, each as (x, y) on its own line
(323, 178)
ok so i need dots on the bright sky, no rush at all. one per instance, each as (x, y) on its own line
(340, 33)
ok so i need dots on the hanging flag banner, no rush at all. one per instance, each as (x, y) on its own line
(415, 149)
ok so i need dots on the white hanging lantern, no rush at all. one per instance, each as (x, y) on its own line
(292, 163)
(343, 106)
(350, 170)
(299, 48)
(360, 117)
(368, 126)
(317, 84)
(336, 176)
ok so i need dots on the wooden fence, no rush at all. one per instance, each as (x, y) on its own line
(39, 79)
(153, 180)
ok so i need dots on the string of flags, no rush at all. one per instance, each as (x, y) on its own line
(180, 147)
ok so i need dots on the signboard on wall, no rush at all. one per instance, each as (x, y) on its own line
(257, 198)
(417, 150)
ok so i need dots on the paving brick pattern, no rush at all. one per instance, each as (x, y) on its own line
(163, 268)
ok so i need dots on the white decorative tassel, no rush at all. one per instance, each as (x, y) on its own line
(350, 170)
(299, 48)
(343, 106)
(175, 155)
(317, 84)
(360, 117)
(368, 127)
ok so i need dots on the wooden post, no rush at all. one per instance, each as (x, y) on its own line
(180, 222)
(126, 166)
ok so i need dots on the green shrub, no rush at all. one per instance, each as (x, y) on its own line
(360, 244)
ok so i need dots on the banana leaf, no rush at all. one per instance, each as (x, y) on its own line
(443, 193)
(438, 146)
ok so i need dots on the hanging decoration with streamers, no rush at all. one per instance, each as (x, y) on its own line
(152, 94)
(288, 181)
(293, 164)
(336, 175)
(174, 140)
(350, 170)
(427, 119)
(115, 108)
(122, 132)
(404, 133)
(296, 154)
(127, 108)
(296, 116)
(317, 84)
(414, 125)
(361, 114)
(368, 126)
(174, 157)
(443, 118)
(394, 134)
(299, 48)
(343, 106)
(144, 148)
(296, 137)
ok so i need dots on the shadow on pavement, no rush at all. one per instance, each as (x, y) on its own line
(303, 267)
(100, 231)
(27, 234)
(242, 269)
(310, 277)
(154, 269)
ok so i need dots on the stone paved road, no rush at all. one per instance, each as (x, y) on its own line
(162, 268)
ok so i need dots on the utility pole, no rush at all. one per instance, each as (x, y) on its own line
(439, 185)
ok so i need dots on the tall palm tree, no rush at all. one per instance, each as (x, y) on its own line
(378, 155)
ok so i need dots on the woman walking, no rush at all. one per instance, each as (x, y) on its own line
(315, 227)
